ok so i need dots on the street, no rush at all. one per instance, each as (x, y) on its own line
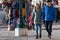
(9, 35)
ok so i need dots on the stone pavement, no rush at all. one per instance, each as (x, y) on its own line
(9, 35)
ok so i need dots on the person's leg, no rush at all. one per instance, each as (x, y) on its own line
(40, 31)
(46, 25)
(25, 32)
(50, 28)
(9, 25)
(14, 23)
(36, 31)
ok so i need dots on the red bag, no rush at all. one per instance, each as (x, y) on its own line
(29, 21)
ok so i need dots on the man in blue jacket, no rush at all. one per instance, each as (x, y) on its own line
(49, 15)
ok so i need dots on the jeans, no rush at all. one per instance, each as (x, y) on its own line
(48, 25)
(38, 29)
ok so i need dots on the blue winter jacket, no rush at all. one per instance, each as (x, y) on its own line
(48, 13)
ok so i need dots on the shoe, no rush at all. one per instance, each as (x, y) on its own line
(49, 36)
(10, 29)
(36, 37)
(40, 36)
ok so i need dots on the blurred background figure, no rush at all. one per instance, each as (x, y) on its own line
(28, 8)
(14, 13)
(6, 9)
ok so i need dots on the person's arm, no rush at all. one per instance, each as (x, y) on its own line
(43, 14)
(33, 14)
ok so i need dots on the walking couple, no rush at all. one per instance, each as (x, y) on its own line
(47, 14)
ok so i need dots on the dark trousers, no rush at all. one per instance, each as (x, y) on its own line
(48, 25)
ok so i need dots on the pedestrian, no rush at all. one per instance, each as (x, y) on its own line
(28, 8)
(14, 13)
(10, 22)
(24, 19)
(36, 16)
(6, 9)
(49, 15)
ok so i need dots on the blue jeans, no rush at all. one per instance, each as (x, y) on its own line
(38, 29)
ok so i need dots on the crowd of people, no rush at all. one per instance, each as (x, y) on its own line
(32, 18)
